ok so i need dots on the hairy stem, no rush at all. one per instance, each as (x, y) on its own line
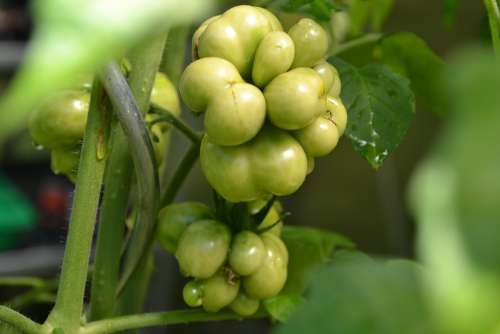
(69, 303)
(157, 319)
(494, 20)
(20, 322)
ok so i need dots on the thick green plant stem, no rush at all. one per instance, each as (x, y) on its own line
(157, 319)
(69, 303)
(117, 184)
(20, 322)
(494, 20)
(117, 179)
(175, 53)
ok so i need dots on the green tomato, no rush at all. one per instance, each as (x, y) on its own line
(59, 123)
(270, 278)
(192, 293)
(235, 36)
(271, 163)
(295, 98)
(203, 79)
(175, 218)
(272, 218)
(274, 56)
(311, 42)
(164, 94)
(203, 248)
(65, 162)
(247, 253)
(235, 114)
(319, 138)
(220, 290)
(337, 113)
(196, 36)
(244, 305)
(330, 77)
(310, 165)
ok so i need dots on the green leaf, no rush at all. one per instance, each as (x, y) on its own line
(307, 248)
(409, 55)
(77, 37)
(282, 306)
(380, 106)
(356, 294)
(368, 12)
(454, 196)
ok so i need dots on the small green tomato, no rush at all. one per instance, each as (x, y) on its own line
(311, 42)
(270, 278)
(203, 248)
(274, 56)
(175, 218)
(192, 293)
(247, 253)
(319, 138)
(330, 77)
(220, 290)
(65, 162)
(337, 113)
(244, 305)
(295, 98)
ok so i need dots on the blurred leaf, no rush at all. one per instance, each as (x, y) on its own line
(368, 12)
(409, 55)
(449, 11)
(307, 248)
(282, 306)
(355, 294)
(455, 198)
(380, 105)
(319, 9)
(77, 37)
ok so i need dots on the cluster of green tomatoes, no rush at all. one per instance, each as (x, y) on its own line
(231, 265)
(271, 101)
(59, 123)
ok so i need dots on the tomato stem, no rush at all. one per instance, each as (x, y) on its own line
(69, 303)
(166, 116)
(158, 319)
(19, 321)
(365, 39)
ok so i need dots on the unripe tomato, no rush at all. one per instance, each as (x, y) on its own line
(247, 253)
(270, 278)
(220, 290)
(244, 305)
(235, 114)
(271, 163)
(330, 77)
(203, 79)
(337, 113)
(164, 94)
(295, 98)
(279, 164)
(235, 36)
(310, 165)
(196, 36)
(202, 248)
(175, 218)
(319, 138)
(274, 56)
(65, 162)
(60, 121)
(311, 42)
(192, 293)
(228, 169)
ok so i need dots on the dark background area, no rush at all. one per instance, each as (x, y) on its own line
(343, 194)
